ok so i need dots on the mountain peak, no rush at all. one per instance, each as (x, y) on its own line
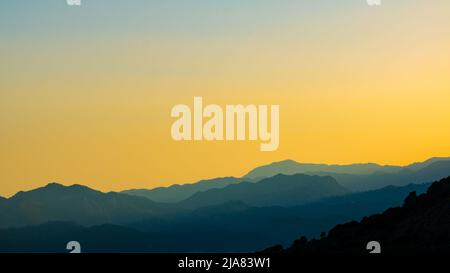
(54, 188)
(54, 185)
(56, 202)
(286, 161)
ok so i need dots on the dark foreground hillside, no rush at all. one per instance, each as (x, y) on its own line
(421, 225)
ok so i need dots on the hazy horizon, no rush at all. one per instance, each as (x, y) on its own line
(105, 190)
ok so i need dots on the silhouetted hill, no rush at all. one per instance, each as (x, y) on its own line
(177, 193)
(421, 225)
(81, 204)
(279, 190)
(290, 167)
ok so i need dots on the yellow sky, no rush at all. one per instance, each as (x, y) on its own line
(372, 86)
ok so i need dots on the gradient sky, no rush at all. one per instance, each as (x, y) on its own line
(86, 92)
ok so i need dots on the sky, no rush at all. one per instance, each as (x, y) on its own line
(86, 92)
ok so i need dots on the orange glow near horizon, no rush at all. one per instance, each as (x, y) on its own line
(357, 86)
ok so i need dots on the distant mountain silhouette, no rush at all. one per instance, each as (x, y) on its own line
(431, 171)
(421, 225)
(232, 226)
(279, 190)
(177, 193)
(85, 206)
(290, 167)
(56, 202)
(356, 177)
(420, 165)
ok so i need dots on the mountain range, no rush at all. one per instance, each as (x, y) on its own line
(232, 226)
(292, 167)
(217, 215)
(354, 177)
(86, 206)
(426, 174)
(90, 207)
